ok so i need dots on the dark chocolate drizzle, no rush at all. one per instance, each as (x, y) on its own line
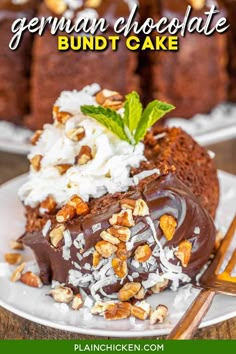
(164, 195)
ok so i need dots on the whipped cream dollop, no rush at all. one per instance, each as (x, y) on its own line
(107, 172)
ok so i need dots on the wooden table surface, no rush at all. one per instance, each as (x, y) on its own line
(15, 327)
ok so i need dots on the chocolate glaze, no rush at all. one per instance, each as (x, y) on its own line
(164, 195)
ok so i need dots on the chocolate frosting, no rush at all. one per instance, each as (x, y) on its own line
(164, 195)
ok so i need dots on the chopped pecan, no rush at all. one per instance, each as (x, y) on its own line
(141, 294)
(81, 207)
(141, 208)
(168, 225)
(13, 258)
(16, 245)
(31, 279)
(124, 218)
(96, 259)
(160, 286)
(118, 311)
(128, 291)
(48, 206)
(17, 272)
(60, 116)
(106, 236)
(85, 155)
(56, 235)
(110, 99)
(119, 267)
(141, 311)
(159, 315)
(34, 139)
(142, 253)
(123, 233)
(105, 249)
(127, 203)
(36, 162)
(122, 251)
(77, 302)
(99, 308)
(63, 167)
(66, 213)
(184, 252)
(62, 294)
(76, 134)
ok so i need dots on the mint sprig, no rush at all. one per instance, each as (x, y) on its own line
(136, 121)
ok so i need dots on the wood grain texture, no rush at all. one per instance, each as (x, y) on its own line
(15, 327)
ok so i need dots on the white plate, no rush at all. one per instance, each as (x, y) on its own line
(32, 303)
(207, 129)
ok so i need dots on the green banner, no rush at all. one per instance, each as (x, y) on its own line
(116, 346)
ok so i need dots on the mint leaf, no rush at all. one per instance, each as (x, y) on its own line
(152, 113)
(107, 117)
(133, 111)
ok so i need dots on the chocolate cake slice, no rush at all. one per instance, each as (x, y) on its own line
(114, 219)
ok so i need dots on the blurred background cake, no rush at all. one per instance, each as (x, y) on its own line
(195, 79)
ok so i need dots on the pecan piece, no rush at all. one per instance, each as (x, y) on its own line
(142, 311)
(99, 308)
(85, 155)
(122, 251)
(106, 236)
(159, 315)
(184, 252)
(16, 245)
(168, 225)
(60, 116)
(141, 294)
(141, 208)
(36, 162)
(128, 291)
(66, 213)
(124, 218)
(142, 253)
(63, 167)
(127, 203)
(13, 258)
(77, 302)
(160, 286)
(105, 249)
(110, 99)
(81, 207)
(56, 235)
(76, 134)
(17, 272)
(96, 259)
(48, 206)
(31, 279)
(123, 233)
(34, 139)
(118, 311)
(62, 294)
(119, 267)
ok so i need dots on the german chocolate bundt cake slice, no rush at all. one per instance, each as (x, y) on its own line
(109, 214)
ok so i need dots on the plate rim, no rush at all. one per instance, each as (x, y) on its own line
(101, 332)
